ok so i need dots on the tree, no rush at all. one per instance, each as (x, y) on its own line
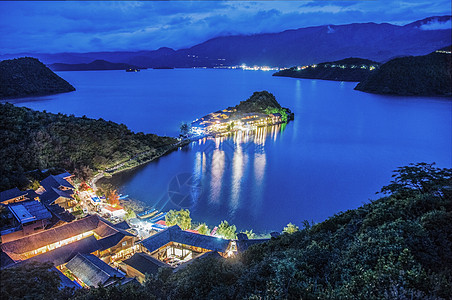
(112, 198)
(420, 178)
(203, 229)
(30, 281)
(227, 231)
(250, 234)
(178, 217)
(184, 129)
(291, 228)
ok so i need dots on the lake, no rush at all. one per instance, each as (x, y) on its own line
(340, 149)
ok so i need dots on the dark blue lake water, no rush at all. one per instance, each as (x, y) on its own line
(339, 151)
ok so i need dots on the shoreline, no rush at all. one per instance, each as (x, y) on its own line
(119, 167)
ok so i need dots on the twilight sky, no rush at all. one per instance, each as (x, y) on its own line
(83, 26)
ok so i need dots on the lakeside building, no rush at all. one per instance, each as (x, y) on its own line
(15, 195)
(58, 190)
(228, 120)
(91, 235)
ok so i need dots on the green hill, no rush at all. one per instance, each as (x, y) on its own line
(27, 76)
(428, 75)
(397, 247)
(94, 65)
(39, 140)
(349, 69)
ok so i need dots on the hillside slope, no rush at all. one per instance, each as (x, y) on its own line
(428, 75)
(27, 76)
(349, 69)
(38, 140)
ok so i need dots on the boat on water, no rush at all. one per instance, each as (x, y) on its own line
(132, 70)
(147, 214)
(122, 197)
(157, 218)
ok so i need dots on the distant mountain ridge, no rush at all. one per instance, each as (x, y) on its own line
(94, 65)
(377, 42)
(27, 76)
(348, 69)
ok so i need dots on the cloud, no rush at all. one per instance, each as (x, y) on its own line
(436, 25)
(81, 26)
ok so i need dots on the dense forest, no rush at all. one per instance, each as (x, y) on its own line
(262, 102)
(349, 69)
(27, 76)
(33, 140)
(397, 247)
(428, 75)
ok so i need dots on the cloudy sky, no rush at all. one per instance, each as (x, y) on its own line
(82, 26)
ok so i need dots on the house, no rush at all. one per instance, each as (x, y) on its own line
(29, 217)
(15, 195)
(141, 264)
(175, 246)
(58, 190)
(91, 271)
(114, 211)
(92, 233)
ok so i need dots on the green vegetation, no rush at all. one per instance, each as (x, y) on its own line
(179, 217)
(203, 229)
(349, 69)
(428, 75)
(227, 231)
(282, 111)
(291, 228)
(29, 281)
(397, 247)
(27, 76)
(39, 140)
(264, 102)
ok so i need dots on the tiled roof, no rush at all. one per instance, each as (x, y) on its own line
(11, 194)
(28, 211)
(175, 234)
(144, 263)
(92, 271)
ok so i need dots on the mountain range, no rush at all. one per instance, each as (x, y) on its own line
(303, 46)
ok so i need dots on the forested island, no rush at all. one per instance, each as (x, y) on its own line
(27, 76)
(397, 247)
(33, 141)
(349, 69)
(427, 75)
(98, 64)
(261, 109)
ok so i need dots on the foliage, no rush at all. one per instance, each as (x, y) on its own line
(29, 281)
(112, 197)
(258, 102)
(130, 214)
(38, 140)
(282, 111)
(184, 129)
(397, 247)
(27, 76)
(227, 231)
(203, 229)
(428, 75)
(291, 228)
(250, 234)
(179, 217)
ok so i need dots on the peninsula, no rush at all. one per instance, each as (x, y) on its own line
(27, 76)
(261, 109)
(349, 69)
(427, 75)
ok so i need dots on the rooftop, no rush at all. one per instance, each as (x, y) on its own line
(175, 234)
(92, 271)
(144, 263)
(11, 194)
(28, 211)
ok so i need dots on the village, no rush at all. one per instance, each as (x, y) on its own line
(91, 242)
